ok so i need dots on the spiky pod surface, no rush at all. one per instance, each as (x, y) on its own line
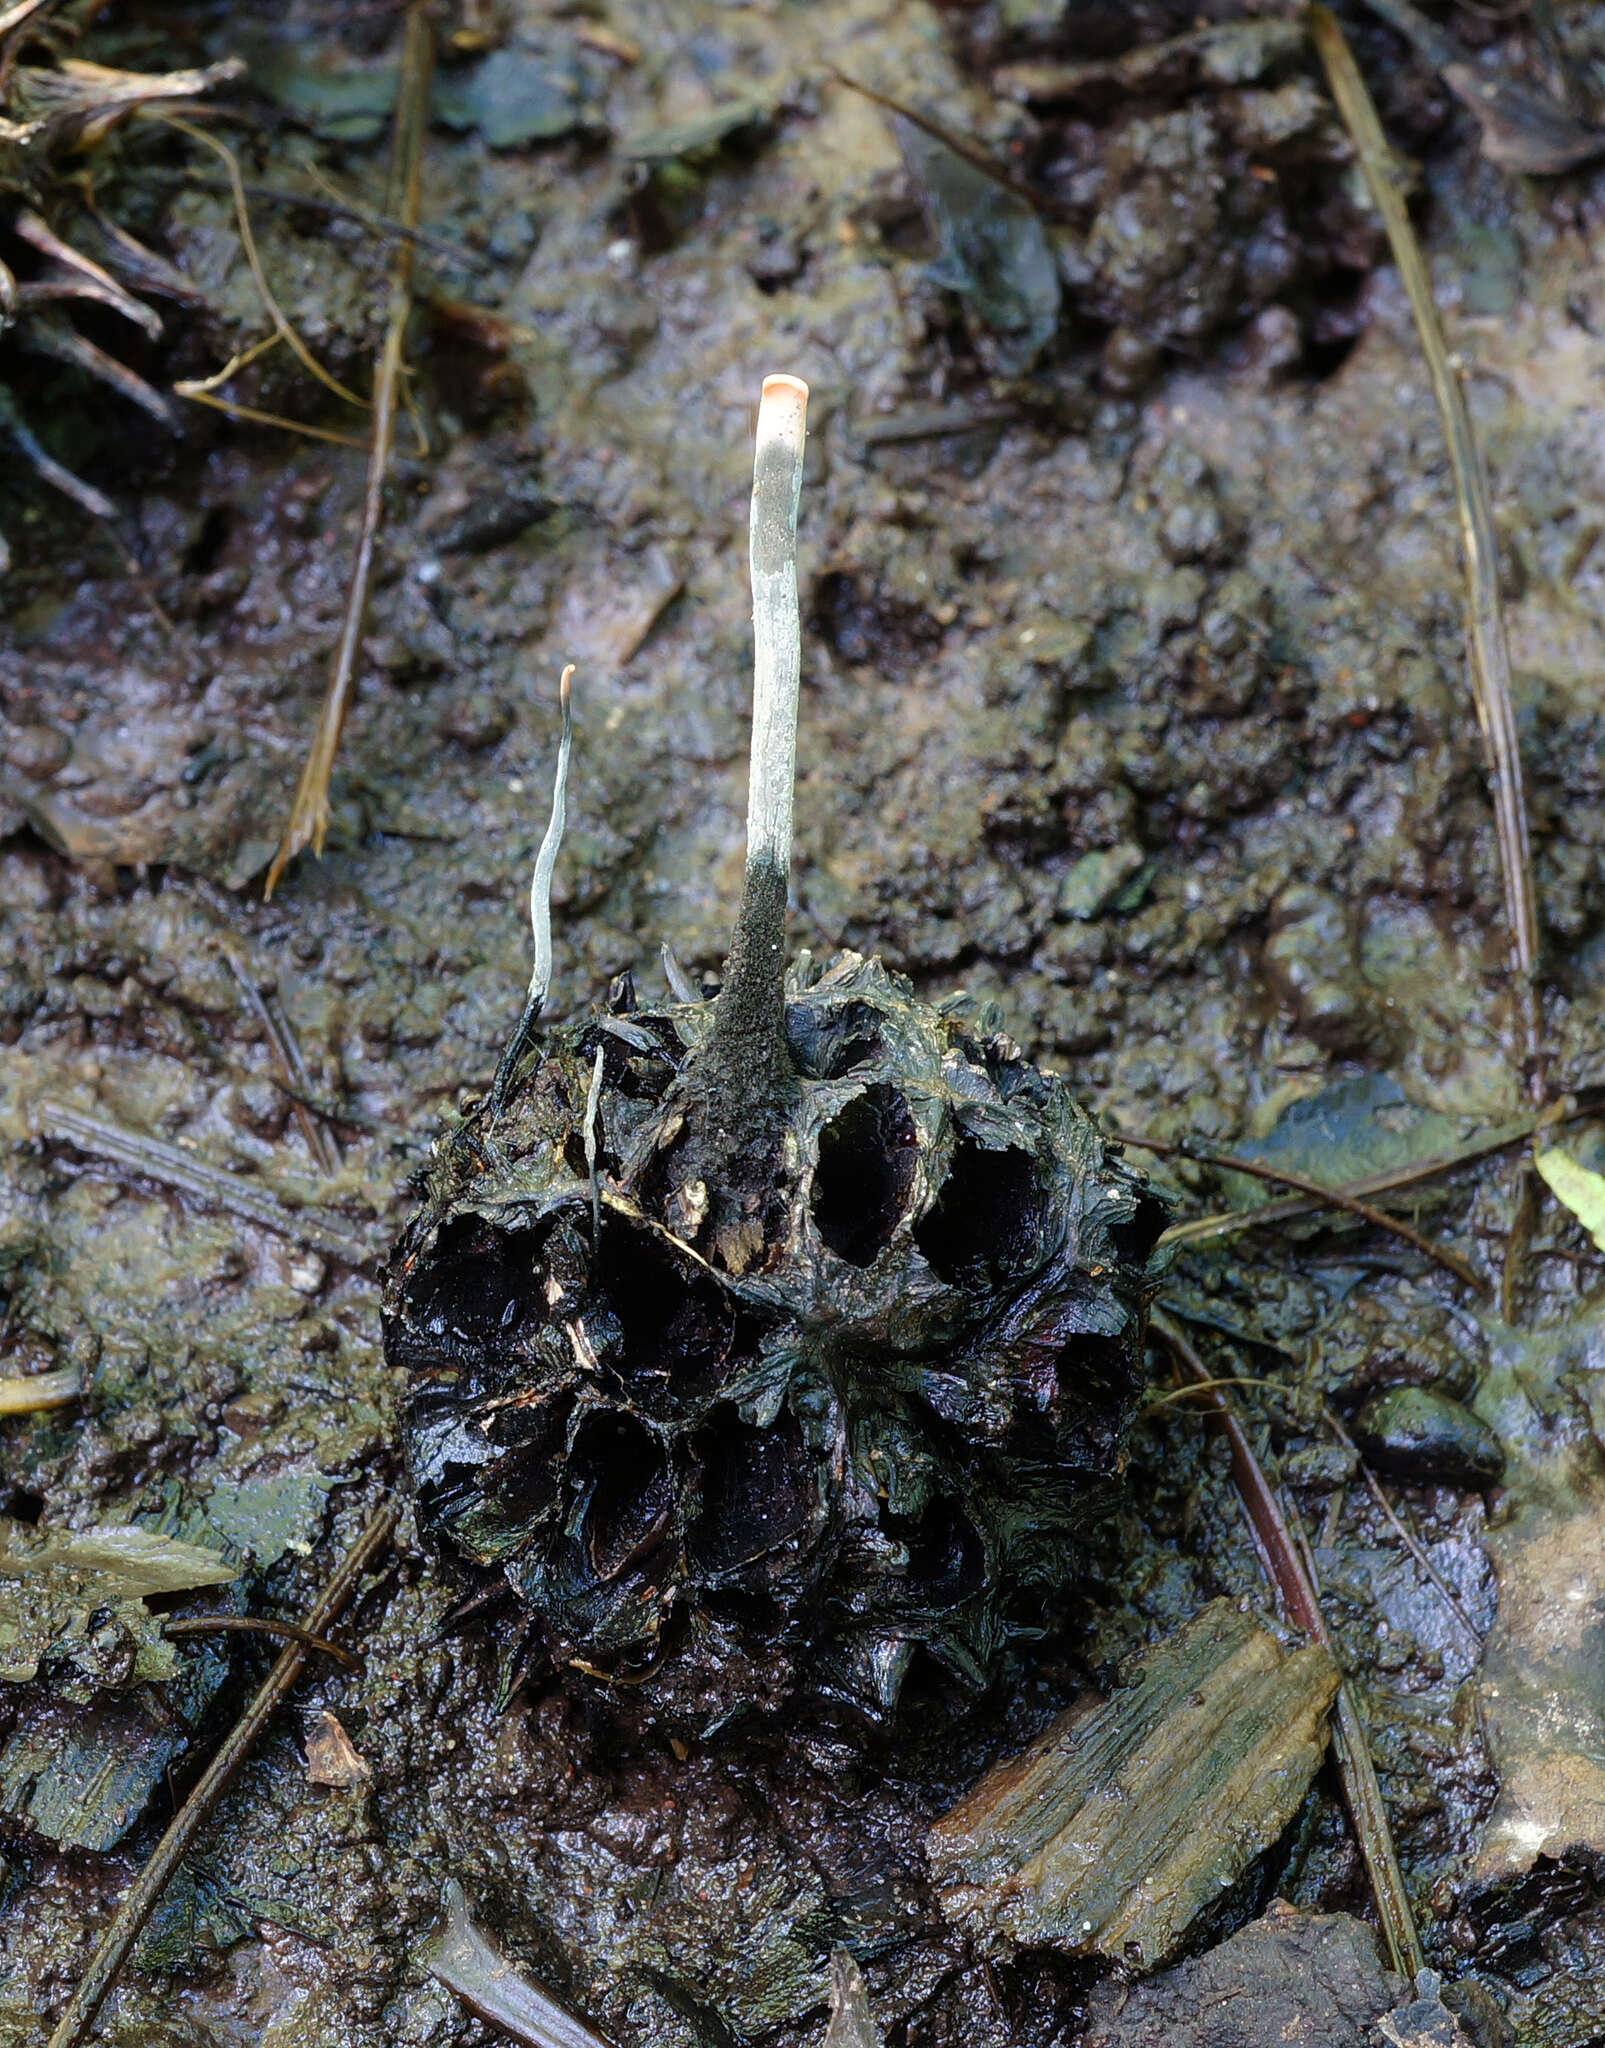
(880, 1439)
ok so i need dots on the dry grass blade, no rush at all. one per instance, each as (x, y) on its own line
(275, 312)
(309, 812)
(1288, 1566)
(1489, 651)
(140, 1898)
(1337, 1198)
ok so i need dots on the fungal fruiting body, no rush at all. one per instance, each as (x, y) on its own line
(764, 1344)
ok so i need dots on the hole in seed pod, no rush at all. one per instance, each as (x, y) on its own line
(633, 1497)
(986, 1221)
(946, 1558)
(478, 1285)
(756, 1493)
(867, 1156)
(1094, 1377)
(677, 1327)
(825, 1044)
(1135, 1237)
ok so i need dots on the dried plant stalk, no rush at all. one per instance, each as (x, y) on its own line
(309, 813)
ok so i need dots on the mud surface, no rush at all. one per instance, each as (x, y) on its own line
(1133, 701)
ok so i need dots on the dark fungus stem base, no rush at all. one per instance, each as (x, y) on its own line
(743, 1082)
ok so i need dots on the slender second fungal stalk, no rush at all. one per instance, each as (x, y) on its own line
(540, 906)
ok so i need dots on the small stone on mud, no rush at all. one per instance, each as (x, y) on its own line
(1413, 1433)
(1291, 1980)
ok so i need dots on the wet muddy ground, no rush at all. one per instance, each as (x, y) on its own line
(1134, 700)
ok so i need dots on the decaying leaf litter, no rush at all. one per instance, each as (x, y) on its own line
(1141, 714)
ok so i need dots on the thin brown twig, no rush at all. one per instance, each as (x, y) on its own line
(1290, 1570)
(115, 1944)
(1288, 1208)
(1402, 1529)
(309, 812)
(1488, 649)
(258, 1625)
(1339, 1198)
(1373, 1485)
(319, 1143)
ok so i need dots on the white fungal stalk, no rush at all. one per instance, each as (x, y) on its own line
(540, 888)
(540, 910)
(776, 627)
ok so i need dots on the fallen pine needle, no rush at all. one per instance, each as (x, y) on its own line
(139, 1900)
(309, 812)
(210, 1186)
(1488, 649)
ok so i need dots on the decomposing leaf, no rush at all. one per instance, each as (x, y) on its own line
(514, 96)
(1576, 1187)
(852, 2023)
(995, 251)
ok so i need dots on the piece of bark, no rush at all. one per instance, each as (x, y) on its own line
(1118, 1826)
(1290, 1980)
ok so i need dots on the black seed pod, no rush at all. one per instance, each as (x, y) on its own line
(758, 1344)
(881, 1437)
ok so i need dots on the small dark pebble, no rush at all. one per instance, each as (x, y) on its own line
(1414, 1433)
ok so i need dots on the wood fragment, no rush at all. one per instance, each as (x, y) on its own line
(333, 1759)
(1117, 1828)
(1288, 1567)
(139, 1900)
(309, 811)
(1488, 650)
